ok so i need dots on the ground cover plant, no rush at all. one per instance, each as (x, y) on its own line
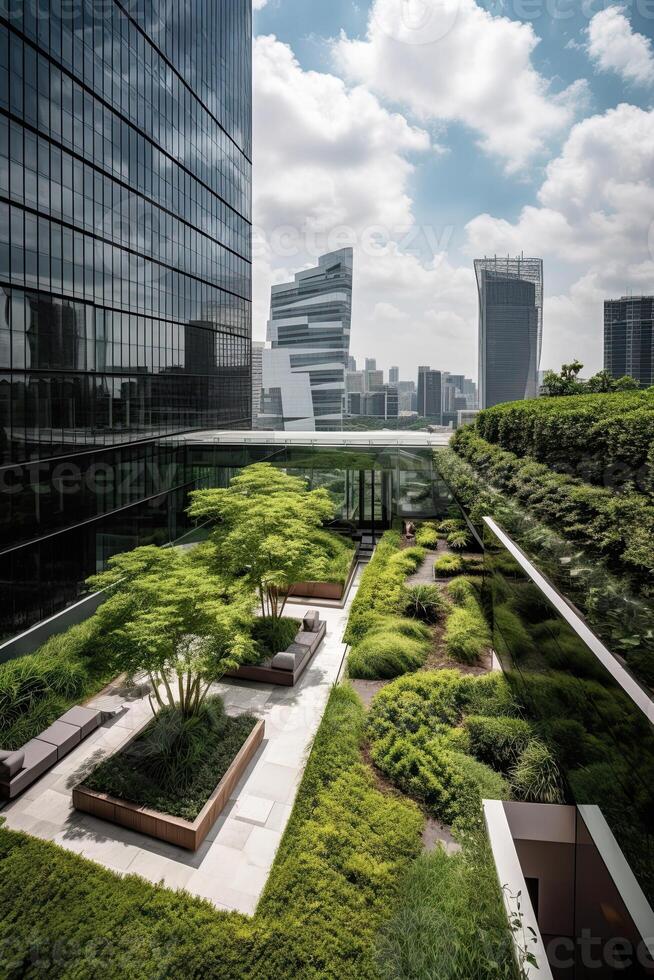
(339, 553)
(427, 535)
(467, 635)
(176, 762)
(448, 564)
(37, 689)
(334, 883)
(450, 922)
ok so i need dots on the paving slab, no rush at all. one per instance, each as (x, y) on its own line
(231, 867)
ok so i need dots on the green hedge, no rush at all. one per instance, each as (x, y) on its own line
(36, 689)
(386, 653)
(447, 565)
(602, 436)
(381, 590)
(333, 885)
(617, 527)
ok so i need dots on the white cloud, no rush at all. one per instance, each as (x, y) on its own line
(259, 4)
(333, 166)
(594, 224)
(452, 60)
(614, 46)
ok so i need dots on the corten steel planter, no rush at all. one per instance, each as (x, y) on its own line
(173, 830)
(323, 590)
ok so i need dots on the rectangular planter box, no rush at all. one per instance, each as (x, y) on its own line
(173, 830)
(323, 590)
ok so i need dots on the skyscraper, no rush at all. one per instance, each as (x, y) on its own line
(629, 338)
(125, 146)
(370, 364)
(430, 394)
(393, 375)
(309, 334)
(510, 328)
(257, 379)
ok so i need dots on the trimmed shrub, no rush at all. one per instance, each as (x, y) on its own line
(427, 536)
(535, 777)
(452, 524)
(498, 741)
(448, 565)
(467, 635)
(386, 654)
(426, 603)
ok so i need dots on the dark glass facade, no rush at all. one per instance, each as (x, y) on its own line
(629, 338)
(510, 328)
(125, 282)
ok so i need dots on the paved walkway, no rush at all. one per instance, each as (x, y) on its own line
(232, 865)
(425, 574)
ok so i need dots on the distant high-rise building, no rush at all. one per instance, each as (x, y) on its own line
(309, 334)
(351, 363)
(257, 379)
(374, 379)
(406, 392)
(510, 328)
(355, 381)
(430, 394)
(370, 364)
(629, 338)
(393, 375)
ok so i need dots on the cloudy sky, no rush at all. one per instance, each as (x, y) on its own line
(429, 132)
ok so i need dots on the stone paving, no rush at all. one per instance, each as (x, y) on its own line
(232, 865)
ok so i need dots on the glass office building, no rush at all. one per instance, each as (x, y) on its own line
(629, 338)
(510, 328)
(125, 216)
(309, 334)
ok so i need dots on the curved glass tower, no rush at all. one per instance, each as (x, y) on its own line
(125, 214)
(510, 328)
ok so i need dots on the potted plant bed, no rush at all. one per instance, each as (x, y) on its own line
(174, 776)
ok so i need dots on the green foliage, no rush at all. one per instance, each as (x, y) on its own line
(171, 616)
(386, 654)
(427, 536)
(567, 382)
(410, 726)
(265, 530)
(498, 741)
(36, 689)
(382, 591)
(335, 880)
(607, 437)
(616, 527)
(467, 635)
(273, 635)
(451, 524)
(535, 777)
(177, 761)
(459, 539)
(448, 565)
(426, 603)
(450, 922)
(339, 553)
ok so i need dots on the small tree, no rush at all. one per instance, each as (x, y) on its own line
(265, 524)
(170, 616)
